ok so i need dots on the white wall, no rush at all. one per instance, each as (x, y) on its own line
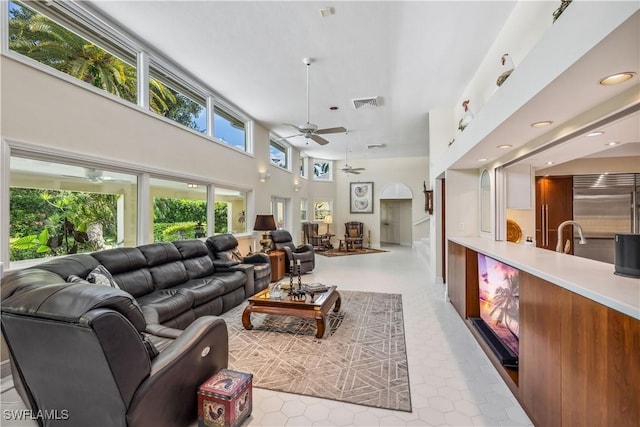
(55, 114)
(541, 52)
(411, 171)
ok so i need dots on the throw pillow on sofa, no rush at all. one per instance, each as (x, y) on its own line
(101, 276)
(77, 279)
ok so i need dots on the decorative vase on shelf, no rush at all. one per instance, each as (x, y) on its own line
(507, 66)
(563, 5)
(467, 118)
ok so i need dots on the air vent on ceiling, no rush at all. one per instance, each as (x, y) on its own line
(362, 102)
(326, 11)
(370, 146)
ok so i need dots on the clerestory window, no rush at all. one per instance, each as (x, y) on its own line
(229, 128)
(278, 153)
(48, 42)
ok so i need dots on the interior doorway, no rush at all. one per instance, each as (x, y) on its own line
(395, 222)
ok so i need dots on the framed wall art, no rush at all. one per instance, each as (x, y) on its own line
(361, 197)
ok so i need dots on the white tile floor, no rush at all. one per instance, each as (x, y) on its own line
(452, 381)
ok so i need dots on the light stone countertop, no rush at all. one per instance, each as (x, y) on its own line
(591, 279)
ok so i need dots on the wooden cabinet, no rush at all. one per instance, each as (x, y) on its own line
(600, 368)
(554, 205)
(540, 379)
(578, 359)
(277, 265)
(463, 265)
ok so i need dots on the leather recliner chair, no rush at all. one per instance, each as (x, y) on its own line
(78, 351)
(282, 240)
(225, 254)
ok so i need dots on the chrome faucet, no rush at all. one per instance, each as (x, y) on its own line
(567, 246)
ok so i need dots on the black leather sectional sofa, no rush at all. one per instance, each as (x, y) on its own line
(131, 354)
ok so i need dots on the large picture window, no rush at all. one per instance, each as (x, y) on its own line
(230, 211)
(179, 210)
(63, 209)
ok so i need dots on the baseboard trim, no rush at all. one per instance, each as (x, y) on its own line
(5, 369)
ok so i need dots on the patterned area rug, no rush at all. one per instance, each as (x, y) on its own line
(361, 359)
(356, 251)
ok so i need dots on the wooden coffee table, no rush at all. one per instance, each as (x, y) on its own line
(285, 306)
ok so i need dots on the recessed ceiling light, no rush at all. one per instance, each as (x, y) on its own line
(549, 163)
(596, 133)
(542, 124)
(482, 159)
(504, 146)
(614, 79)
(612, 143)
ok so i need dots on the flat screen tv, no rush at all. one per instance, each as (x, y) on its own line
(499, 292)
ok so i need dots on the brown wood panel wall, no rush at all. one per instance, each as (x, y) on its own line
(600, 366)
(540, 380)
(472, 288)
(456, 277)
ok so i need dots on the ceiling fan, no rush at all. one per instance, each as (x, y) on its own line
(346, 168)
(310, 130)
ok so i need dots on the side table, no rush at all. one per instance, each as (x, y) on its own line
(277, 265)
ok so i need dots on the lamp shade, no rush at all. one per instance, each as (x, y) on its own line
(264, 223)
(328, 219)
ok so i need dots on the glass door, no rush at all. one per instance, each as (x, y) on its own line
(280, 211)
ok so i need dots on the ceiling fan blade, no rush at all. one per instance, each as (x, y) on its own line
(330, 130)
(353, 172)
(319, 140)
(358, 169)
(290, 136)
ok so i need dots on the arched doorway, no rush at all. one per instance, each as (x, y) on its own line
(395, 215)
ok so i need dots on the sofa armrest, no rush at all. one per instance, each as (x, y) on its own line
(304, 248)
(249, 285)
(224, 265)
(163, 331)
(258, 258)
(169, 395)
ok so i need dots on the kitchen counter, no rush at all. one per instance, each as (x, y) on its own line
(591, 279)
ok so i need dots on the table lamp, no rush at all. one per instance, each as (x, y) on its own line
(265, 223)
(328, 219)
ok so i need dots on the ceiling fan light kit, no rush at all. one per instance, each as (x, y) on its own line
(346, 168)
(308, 129)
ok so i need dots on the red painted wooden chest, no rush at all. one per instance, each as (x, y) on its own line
(225, 399)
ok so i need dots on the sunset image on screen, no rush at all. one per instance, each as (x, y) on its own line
(499, 299)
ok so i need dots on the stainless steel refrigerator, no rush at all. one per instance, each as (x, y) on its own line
(604, 205)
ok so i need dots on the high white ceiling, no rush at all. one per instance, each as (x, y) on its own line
(415, 56)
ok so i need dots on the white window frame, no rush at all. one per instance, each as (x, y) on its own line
(315, 202)
(304, 209)
(282, 146)
(143, 226)
(329, 173)
(304, 166)
(91, 25)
